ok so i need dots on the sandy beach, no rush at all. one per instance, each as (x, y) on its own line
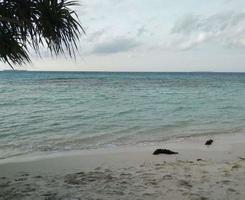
(197, 172)
(122, 100)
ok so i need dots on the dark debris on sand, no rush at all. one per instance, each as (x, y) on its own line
(164, 151)
(209, 142)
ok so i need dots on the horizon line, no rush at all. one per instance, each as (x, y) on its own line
(101, 71)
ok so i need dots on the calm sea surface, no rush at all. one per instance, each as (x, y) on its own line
(61, 111)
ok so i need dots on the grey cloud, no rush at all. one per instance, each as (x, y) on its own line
(115, 46)
(186, 25)
(141, 31)
(213, 23)
(226, 28)
(95, 36)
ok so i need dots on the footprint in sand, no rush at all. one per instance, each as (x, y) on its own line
(236, 166)
(37, 177)
(167, 177)
(49, 195)
(184, 183)
(25, 174)
(231, 190)
(226, 182)
(5, 184)
(20, 179)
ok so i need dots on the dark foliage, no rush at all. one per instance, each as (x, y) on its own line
(34, 23)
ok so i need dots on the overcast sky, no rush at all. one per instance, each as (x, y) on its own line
(156, 35)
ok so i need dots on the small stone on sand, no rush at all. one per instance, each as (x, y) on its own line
(209, 142)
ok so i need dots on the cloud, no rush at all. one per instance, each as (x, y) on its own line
(95, 36)
(226, 28)
(192, 42)
(115, 46)
(141, 30)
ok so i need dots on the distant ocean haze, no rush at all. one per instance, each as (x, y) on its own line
(62, 111)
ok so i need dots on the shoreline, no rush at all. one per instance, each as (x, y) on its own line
(225, 147)
(175, 141)
(197, 172)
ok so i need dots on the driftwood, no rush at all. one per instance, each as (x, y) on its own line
(164, 151)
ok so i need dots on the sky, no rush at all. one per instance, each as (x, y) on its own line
(155, 35)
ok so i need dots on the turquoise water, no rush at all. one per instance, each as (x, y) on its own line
(62, 111)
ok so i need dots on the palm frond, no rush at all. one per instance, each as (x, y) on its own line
(58, 25)
(12, 50)
(49, 23)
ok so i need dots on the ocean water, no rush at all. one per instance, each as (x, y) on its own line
(64, 111)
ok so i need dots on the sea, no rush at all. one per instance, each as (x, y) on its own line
(49, 112)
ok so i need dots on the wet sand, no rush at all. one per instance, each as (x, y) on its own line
(197, 172)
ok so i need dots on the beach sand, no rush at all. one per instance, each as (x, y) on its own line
(197, 172)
